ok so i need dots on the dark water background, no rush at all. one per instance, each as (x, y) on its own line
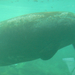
(54, 66)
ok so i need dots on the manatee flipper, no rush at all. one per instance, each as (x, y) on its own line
(49, 51)
(73, 45)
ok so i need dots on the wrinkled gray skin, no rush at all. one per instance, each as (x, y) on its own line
(33, 36)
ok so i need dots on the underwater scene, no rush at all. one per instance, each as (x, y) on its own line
(37, 37)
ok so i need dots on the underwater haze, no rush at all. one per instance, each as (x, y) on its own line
(63, 62)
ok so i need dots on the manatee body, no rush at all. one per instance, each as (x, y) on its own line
(36, 35)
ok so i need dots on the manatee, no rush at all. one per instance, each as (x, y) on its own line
(36, 35)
